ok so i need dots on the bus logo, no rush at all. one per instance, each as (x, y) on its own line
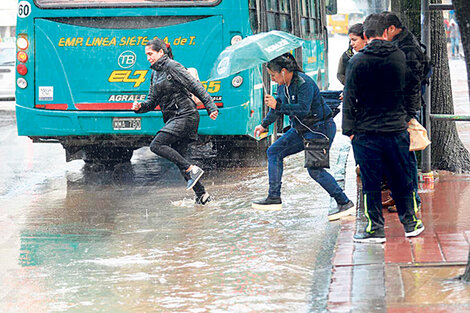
(127, 76)
(127, 59)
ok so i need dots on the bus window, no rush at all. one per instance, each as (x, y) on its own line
(331, 7)
(253, 16)
(284, 15)
(315, 25)
(110, 3)
(304, 21)
(271, 10)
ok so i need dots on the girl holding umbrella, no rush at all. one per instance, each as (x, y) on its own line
(300, 99)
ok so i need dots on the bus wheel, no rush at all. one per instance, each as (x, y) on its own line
(107, 155)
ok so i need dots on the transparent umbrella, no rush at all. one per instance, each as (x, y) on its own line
(253, 51)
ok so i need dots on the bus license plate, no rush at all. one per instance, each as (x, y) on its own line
(126, 123)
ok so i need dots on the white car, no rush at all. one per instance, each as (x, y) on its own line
(7, 71)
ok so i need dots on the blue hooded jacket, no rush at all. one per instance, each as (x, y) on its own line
(305, 103)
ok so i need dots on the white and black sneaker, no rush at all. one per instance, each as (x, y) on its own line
(194, 175)
(377, 236)
(203, 199)
(415, 231)
(342, 210)
(268, 204)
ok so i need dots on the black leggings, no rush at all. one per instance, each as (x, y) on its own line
(173, 148)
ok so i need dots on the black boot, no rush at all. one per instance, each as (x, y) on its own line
(270, 204)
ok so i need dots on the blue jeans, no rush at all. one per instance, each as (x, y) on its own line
(291, 143)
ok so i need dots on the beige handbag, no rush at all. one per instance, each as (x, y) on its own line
(418, 136)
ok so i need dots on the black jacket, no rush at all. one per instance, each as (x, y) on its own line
(408, 43)
(343, 63)
(373, 94)
(171, 87)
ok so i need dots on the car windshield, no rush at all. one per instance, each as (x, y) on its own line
(7, 56)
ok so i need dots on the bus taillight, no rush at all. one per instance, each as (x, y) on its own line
(22, 69)
(22, 56)
(22, 42)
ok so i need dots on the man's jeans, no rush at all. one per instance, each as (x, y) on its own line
(291, 143)
(388, 154)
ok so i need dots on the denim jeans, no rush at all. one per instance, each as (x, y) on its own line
(388, 154)
(291, 143)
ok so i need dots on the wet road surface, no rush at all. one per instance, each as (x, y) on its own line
(130, 239)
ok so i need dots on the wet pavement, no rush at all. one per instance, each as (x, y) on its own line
(418, 274)
(130, 239)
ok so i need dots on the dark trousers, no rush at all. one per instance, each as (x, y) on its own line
(173, 148)
(414, 168)
(386, 154)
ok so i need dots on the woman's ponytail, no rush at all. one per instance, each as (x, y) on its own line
(157, 44)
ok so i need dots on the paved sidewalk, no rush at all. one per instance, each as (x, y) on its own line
(417, 274)
(408, 275)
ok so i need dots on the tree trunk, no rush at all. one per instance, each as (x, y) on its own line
(462, 12)
(466, 274)
(447, 151)
(409, 13)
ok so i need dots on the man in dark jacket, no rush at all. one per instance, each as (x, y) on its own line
(375, 118)
(399, 35)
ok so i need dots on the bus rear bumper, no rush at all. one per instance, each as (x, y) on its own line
(35, 122)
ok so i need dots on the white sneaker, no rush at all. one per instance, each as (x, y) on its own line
(204, 199)
(194, 175)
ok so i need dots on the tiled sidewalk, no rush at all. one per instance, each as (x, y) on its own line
(408, 275)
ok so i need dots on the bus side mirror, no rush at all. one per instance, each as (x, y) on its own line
(331, 7)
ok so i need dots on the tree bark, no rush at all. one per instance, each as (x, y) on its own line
(447, 151)
(409, 13)
(462, 12)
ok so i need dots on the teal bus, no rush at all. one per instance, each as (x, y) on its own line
(80, 65)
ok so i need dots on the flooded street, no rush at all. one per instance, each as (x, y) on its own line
(131, 239)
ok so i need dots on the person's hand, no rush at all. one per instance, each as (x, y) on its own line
(411, 121)
(136, 105)
(270, 101)
(258, 130)
(214, 115)
(351, 137)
